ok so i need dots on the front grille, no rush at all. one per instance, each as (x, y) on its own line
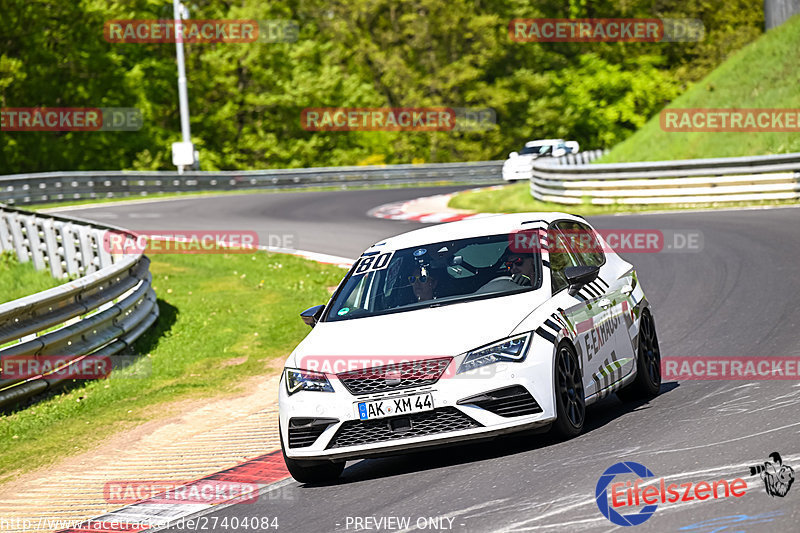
(507, 402)
(443, 420)
(303, 432)
(404, 375)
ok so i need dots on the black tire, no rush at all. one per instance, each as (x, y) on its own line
(313, 472)
(647, 382)
(570, 400)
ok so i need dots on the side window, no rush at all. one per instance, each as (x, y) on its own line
(561, 257)
(583, 242)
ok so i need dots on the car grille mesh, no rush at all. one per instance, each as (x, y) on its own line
(442, 420)
(303, 432)
(403, 375)
(508, 402)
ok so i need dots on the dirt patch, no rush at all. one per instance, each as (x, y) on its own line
(190, 439)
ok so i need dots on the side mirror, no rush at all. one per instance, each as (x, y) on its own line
(312, 315)
(578, 276)
(513, 154)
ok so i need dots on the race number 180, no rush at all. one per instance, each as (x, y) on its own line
(373, 262)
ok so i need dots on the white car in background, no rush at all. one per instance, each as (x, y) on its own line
(518, 166)
(464, 331)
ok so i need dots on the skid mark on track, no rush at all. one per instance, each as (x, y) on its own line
(727, 441)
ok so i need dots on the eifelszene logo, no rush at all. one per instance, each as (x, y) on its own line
(651, 493)
(601, 494)
(777, 477)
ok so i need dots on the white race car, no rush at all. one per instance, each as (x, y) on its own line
(519, 165)
(462, 331)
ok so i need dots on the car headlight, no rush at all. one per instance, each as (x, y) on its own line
(297, 380)
(514, 349)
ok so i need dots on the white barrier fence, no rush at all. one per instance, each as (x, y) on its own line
(692, 181)
(101, 313)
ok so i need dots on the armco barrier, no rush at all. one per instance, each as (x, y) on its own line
(20, 189)
(108, 306)
(691, 181)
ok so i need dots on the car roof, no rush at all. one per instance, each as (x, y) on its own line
(542, 142)
(472, 227)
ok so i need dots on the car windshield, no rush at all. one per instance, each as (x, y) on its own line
(435, 274)
(530, 150)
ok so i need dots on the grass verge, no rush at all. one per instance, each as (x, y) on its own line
(516, 198)
(21, 279)
(223, 318)
(763, 74)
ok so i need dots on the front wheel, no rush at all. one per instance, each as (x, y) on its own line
(312, 471)
(570, 401)
(647, 382)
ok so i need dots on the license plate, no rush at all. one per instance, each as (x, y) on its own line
(395, 406)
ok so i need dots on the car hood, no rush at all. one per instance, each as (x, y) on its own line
(520, 160)
(446, 330)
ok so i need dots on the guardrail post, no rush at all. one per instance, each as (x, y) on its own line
(88, 261)
(34, 243)
(69, 245)
(51, 248)
(5, 236)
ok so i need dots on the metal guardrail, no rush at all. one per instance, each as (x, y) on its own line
(691, 181)
(102, 312)
(21, 189)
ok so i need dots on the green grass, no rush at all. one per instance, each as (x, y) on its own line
(224, 318)
(21, 279)
(516, 198)
(91, 201)
(764, 74)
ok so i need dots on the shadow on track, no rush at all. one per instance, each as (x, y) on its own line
(597, 416)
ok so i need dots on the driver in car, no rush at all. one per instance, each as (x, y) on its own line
(521, 266)
(423, 284)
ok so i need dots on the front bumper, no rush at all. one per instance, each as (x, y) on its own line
(332, 429)
(517, 173)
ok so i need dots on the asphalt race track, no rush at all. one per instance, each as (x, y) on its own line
(734, 297)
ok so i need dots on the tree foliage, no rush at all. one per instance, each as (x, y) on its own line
(246, 99)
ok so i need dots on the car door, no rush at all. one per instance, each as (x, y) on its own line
(580, 310)
(604, 339)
